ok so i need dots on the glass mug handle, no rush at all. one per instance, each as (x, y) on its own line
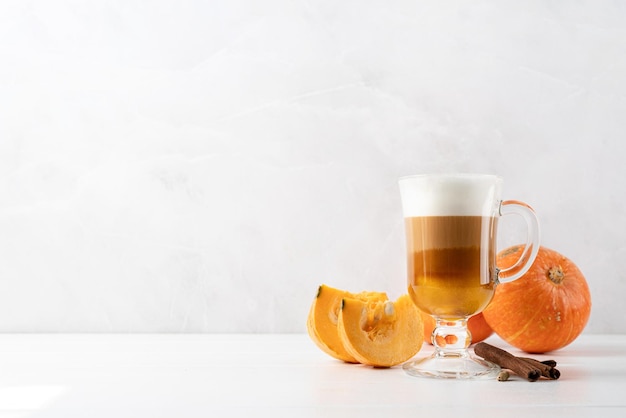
(531, 248)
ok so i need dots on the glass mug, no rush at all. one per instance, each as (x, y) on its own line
(451, 232)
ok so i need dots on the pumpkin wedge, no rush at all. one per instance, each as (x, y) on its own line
(323, 317)
(381, 334)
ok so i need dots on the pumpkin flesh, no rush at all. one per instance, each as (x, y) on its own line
(323, 317)
(381, 334)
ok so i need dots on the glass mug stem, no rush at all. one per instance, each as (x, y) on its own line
(451, 338)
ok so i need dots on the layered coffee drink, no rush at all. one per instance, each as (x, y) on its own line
(451, 263)
(451, 244)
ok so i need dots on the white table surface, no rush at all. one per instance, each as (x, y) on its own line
(99, 375)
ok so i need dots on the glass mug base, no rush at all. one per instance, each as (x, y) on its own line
(460, 366)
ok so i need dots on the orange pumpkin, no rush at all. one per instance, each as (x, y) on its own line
(545, 309)
(477, 326)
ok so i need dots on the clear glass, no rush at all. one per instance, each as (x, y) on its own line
(451, 233)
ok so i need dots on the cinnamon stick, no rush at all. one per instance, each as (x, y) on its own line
(547, 367)
(551, 363)
(508, 361)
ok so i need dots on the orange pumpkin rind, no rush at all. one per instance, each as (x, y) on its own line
(544, 310)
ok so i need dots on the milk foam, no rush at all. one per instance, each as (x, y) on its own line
(450, 195)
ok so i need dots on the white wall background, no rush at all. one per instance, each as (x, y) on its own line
(202, 166)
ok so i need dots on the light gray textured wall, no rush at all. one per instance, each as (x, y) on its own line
(190, 166)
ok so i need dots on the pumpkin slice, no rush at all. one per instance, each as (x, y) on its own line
(383, 333)
(323, 317)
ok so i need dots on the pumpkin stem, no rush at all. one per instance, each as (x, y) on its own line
(556, 274)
